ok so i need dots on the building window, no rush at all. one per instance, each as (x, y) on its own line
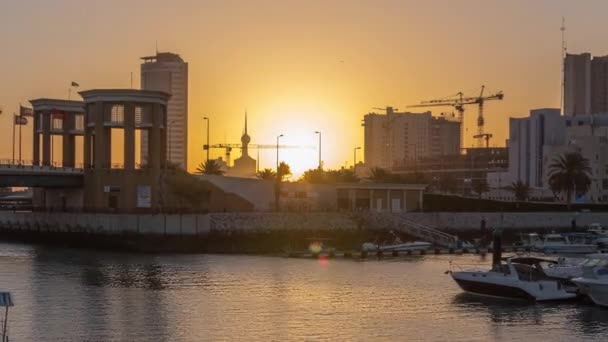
(79, 122)
(118, 114)
(139, 115)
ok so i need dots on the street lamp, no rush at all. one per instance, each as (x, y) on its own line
(279, 136)
(208, 147)
(320, 163)
(355, 157)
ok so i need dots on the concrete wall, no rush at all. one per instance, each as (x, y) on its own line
(188, 225)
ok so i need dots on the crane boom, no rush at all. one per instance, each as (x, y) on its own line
(458, 103)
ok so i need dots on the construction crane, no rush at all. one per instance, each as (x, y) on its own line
(229, 147)
(485, 136)
(458, 101)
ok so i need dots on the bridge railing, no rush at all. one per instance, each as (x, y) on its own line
(28, 165)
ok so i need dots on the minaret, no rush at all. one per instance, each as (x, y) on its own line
(245, 139)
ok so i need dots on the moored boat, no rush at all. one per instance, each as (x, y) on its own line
(594, 282)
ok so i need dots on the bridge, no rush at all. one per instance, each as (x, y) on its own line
(25, 174)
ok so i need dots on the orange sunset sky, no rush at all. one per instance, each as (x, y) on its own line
(298, 66)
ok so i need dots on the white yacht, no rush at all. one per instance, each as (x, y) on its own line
(594, 282)
(557, 243)
(516, 278)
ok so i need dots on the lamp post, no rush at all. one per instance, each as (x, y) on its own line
(320, 163)
(355, 157)
(208, 147)
(278, 136)
(277, 190)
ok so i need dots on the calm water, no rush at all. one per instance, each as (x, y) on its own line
(76, 295)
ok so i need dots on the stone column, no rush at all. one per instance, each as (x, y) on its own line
(371, 199)
(388, 200)
(36, 139)
(99, 153)
(86, 159)
(129, 130)
(46, 139)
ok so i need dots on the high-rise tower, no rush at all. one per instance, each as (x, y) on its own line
(169, 73)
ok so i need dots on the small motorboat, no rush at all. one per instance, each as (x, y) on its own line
(514, 278)
(396, 245)
(594, 281)
(558, 244)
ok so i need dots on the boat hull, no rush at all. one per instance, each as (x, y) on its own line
(497, 284)
(493, 290)
(594, 289)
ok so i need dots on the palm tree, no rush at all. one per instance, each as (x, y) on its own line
(267, 174)
(520, 190)
(379, 175)
(569, 174)
(315, 176)
(480, 185)
(448, 183)
(283, 171)
(210, 167)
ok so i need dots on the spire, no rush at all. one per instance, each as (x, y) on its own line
(245, 121)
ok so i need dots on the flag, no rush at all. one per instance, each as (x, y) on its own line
(20, 120)
(57, 114)
(74, 84)
(25, 111)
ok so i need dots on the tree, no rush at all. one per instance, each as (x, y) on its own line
(569, 174)
(267, 174)
(315, 176)
(380, 175)
(210, 167)
(284, 171)
(480, 185)
(520, 190)
(448, 183)
(347, 176)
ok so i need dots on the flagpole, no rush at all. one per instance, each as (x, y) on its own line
(69, 92)
(14, 137)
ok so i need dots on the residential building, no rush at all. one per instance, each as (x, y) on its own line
(585, 84)
(169, 73)
(577, 84)
(528, 137)
(599, 85)
(398, 139)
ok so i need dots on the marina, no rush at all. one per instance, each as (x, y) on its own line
(125, 296)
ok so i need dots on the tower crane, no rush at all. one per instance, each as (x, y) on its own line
(458, 101)
(485, 136)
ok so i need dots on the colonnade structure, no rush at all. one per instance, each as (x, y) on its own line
(126, 186)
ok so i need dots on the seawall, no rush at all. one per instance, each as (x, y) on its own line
(259, 232)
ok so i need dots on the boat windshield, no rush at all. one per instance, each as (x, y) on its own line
(529, 273)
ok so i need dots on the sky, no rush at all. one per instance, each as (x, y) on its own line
(298, 67)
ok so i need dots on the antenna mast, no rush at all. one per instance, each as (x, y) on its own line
(563, 56)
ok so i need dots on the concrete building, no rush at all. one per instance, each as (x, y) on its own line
(399, 139)
(168, 72)
(577, 84)
(586, 85)
(599, 85)
(528, 137)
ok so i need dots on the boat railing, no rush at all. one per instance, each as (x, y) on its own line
(468, 267)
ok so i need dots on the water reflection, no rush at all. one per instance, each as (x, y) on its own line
(65, 294)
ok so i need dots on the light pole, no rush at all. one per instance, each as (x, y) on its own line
(320, 163)
(208, 147)
(355, 157)
(277, 189)
(278, 136)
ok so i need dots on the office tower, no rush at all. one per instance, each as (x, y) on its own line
(169, 73)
